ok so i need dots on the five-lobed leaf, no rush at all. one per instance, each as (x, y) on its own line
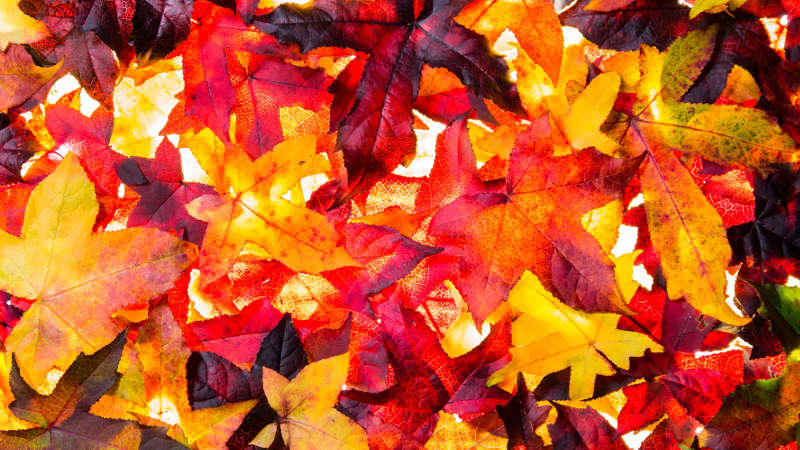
(298, 237)
(58, 262)
(307, 419)
(551, 336)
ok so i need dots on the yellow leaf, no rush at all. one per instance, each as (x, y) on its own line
(741, 87)
(688, 235)
(551, 336)
(714, 6)
(723, 133)
(452, 433)
(141, 111)
(589, 111)
(534, 23)
(78, 279)
(305, 406)
(18, 27)
(253, 210)
(580, 122)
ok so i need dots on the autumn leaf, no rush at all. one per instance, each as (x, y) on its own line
(763, 414)
(163, 193)
(487, 226)
(25, 83)
(84, 35)
(551, 336)
(304, 405)
(63, 418)
(422, 224)
(152, 388)
(376, 134)
(160, 26)
(101, 273)
(298, 237)
(17, 27)
(522, 416)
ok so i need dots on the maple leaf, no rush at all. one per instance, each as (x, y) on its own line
(677, 210)
(215, 85)
(423, 367)
(306, 417)
(87, 137)
(102, 274)
(16, 146)
(298, 237)
(159, 26)
(25, 83)
(281, 351)
(690, 398)
(163, 193)
(263, 85)
(526, 211)
(84, 36)
(522, 416)
(214, 381)
(551, 336)
(625, 25)
(153, 387)
(62, 418)
(376, 134)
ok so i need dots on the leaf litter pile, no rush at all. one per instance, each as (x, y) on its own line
(440, 224)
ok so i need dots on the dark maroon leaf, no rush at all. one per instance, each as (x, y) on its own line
(159, 26)
(17, 144)
(770, 245)
(376, 134)
(522, 416)
(651, 22)
(163, 194)
(85, 35)
(214, 381)
(282, 350)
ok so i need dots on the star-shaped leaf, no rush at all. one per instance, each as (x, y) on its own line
(69, 271)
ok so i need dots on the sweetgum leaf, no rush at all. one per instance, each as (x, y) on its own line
(522, 416)
(24, 83)
(163, 193)
(627, 25)
(304, 405)
(17, 144)
(63, 417)
(84, 34)
(101, 273)
(376, 134)
(215, 381)
(588, 343)
(159, 26)
(486, 227)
